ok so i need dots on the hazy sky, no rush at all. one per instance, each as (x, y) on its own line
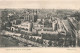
(58, 4)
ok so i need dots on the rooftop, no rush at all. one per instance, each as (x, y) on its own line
(66, 24)
(23, 25)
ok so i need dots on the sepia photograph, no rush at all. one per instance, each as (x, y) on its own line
(39, 28)
(40, 24)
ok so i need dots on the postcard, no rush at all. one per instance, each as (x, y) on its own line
(39, 26)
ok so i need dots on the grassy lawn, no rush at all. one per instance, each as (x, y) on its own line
(8, 42)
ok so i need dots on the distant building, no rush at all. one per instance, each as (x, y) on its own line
(66, 25)
(37, 27)
(16, 22)
(47, 23)
(23, 27)
(30, 16)
(54, 25)
(10, 14)
(47, 31)
(60, 27)
(74, 22)
(41, 29)
(35, 15)
(38, 20)
(13, 22)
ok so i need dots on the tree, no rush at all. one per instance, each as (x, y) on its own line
(38, 40)
(50, 43)
(34, 39)
(41, 41)
(77, 15)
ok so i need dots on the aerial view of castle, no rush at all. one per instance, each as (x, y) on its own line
(39, 28)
